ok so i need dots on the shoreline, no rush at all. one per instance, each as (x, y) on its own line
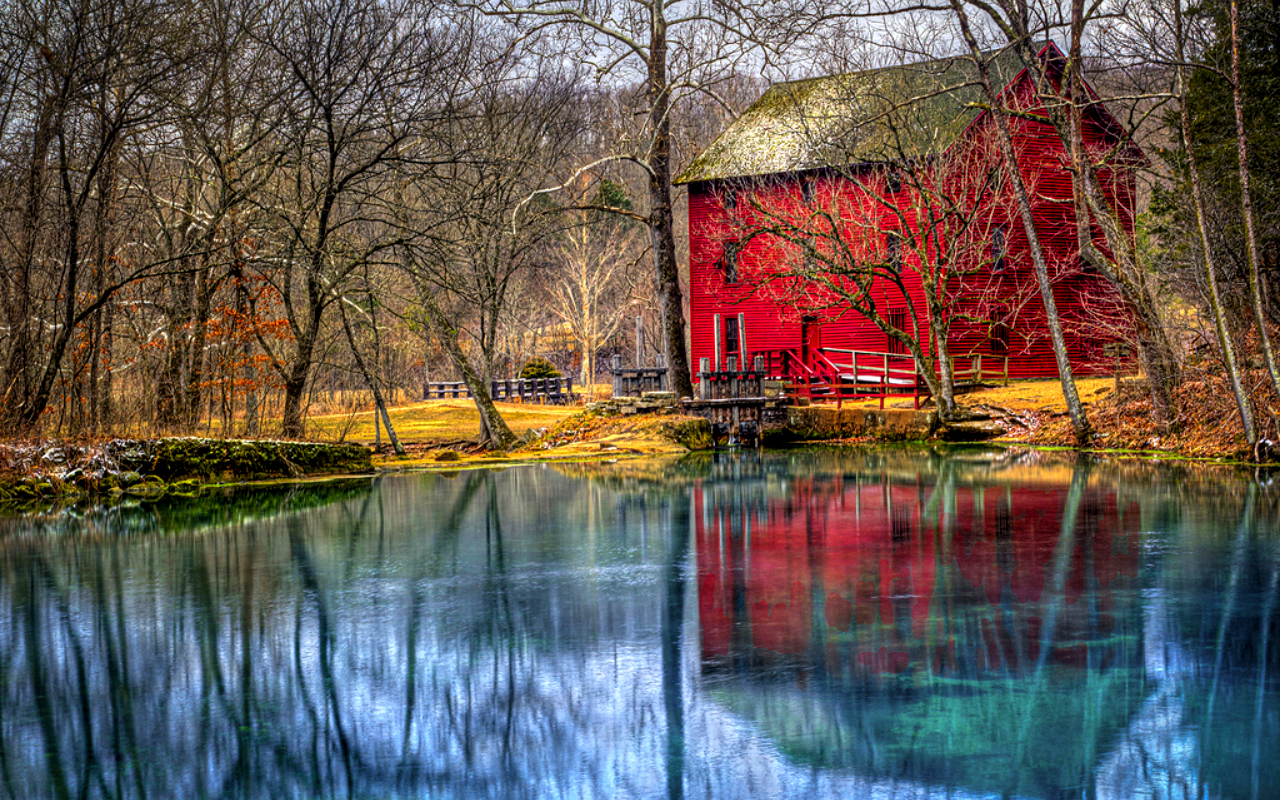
(1029, 415)
(152, 489)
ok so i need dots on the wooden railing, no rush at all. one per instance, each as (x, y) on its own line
(883, 374)
(442, 390)
(842, 374)
(786, 365)
(555, 391)
(635, 381)
(981, 368)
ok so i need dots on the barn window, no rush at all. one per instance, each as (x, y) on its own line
(731, 262)
(897, 318)
(732, 339)
(893, 251)
(893, 182)
(807, 190)
(1000, 339)
(999, 248)
(730, 198)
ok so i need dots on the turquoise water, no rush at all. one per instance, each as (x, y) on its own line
(894, 623)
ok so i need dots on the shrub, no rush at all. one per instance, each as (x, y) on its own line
(539, 368)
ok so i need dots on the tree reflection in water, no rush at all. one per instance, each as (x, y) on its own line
(802, 624)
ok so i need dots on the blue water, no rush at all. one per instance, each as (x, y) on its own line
(890, 623)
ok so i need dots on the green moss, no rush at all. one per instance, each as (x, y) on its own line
(176, 459)
(694, 434)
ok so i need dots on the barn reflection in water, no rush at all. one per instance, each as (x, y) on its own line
(960, 625)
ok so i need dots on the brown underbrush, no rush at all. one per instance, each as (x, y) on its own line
(1208, 423)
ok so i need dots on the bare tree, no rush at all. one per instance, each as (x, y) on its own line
(515, 124)
(1066, 103)
(919, 226)
(675, 51)
(1221, 324)
(596, 282)
(95, 76)
(367, 85)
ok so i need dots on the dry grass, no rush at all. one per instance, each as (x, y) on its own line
(436, 421)
(1040, 395)
(1208, 422)
(1209, 425)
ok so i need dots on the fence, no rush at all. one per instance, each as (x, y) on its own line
(635, 381)
(555, 391)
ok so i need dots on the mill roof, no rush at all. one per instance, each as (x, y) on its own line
(875, 115)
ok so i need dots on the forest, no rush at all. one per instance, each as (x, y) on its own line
(226, 216)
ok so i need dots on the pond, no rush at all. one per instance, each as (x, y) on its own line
(820, 624)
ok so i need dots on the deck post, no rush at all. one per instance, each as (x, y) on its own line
(884, 380)
(704, 367)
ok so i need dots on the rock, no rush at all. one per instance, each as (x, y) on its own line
(659, 397)
(191, 486)
(971, 431)
(449, 455)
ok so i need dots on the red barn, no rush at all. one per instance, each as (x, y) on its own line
(884, 190)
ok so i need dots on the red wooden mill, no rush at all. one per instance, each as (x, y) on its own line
(894, 171)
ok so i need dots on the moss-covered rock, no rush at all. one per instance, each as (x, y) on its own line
(152, 469)
(206, 459)
(694, 434)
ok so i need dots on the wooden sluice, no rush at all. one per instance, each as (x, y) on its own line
(737, 403)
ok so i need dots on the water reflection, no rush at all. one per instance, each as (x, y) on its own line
(948, 632)
(791, 625)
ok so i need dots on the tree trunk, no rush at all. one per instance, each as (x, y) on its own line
(1225, 343)
(372, 382)
(1079, 421)
(494, 432)
(195, 369)
(19, 367)
(661, 220)
(295, 386)
(946, 376)
(1246, 203)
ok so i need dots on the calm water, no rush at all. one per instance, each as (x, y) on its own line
(811, 624)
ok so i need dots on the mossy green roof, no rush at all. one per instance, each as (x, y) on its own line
(877, 115)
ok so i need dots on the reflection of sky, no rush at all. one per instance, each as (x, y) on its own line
(378, 649)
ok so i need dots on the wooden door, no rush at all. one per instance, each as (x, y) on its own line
(810, 339)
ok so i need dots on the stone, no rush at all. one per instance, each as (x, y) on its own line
(971, 431)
